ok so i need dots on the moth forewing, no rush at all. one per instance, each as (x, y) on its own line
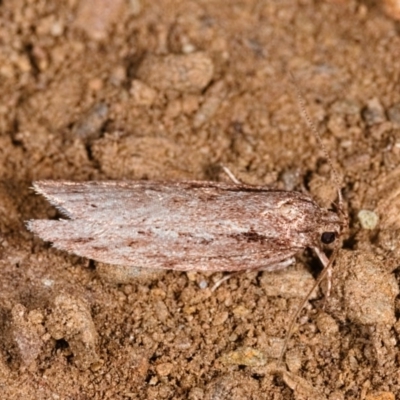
(204, 226)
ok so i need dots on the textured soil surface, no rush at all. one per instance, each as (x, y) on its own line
(118, 89)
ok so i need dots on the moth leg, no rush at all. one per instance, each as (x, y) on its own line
(224, 279)
(278, 266)
(329, 283)
(231, 176)
(325, 261)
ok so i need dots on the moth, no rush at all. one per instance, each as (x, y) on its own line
(193, 226)
(203, 226)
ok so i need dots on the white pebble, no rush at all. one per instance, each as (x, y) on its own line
(368, 219)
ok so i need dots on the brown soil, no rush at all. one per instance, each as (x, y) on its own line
(115, 89)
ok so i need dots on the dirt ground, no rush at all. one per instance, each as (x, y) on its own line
(118, 89)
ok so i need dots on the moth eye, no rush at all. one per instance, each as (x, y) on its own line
(328, 237)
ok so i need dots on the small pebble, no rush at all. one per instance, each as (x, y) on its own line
(135, 7)
(182, 73)
(203, 284)
(196, 393)
(302, 389)
(392, 8)
(293, 360)
(96, 17)
(394, 114)
(26, 334)
(241, 311)
(327, 325)
(374, 112)
(142, 94)
(164, 369)
(381, 396)
(368, 219)
(214, 97)
(220, 318)
(245, 356)
(89, 126)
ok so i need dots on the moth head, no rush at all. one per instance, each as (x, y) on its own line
(330, 227)
(328, 237)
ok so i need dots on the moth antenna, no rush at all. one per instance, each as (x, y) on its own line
(343, 216)
(310, 124)
(305, 115)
